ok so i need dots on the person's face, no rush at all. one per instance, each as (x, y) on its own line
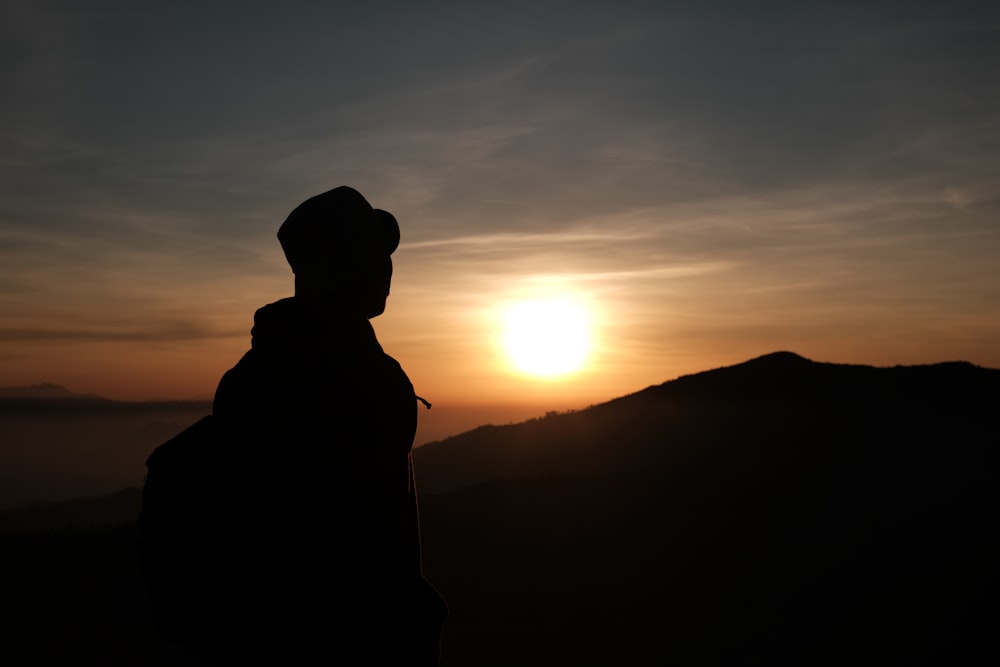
(377, 289)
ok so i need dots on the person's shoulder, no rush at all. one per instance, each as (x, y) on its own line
(282, 308)
(394, 367)
(280, 324)
(390, 361)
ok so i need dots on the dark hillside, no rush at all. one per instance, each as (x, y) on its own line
(776, 512)
(780, 395)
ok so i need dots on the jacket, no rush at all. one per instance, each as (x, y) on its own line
(330, 419)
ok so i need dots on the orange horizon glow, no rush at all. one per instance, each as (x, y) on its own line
(458, 358)
(150, 339)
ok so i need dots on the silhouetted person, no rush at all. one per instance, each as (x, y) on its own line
(329, 571)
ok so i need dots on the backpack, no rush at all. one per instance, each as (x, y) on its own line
(186, 537)
(213, 521)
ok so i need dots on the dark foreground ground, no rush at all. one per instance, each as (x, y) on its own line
(547, 584)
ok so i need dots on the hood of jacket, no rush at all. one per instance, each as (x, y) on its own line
(293, 325)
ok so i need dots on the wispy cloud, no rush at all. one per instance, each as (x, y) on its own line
(153, 332)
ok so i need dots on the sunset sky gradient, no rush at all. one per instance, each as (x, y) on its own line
(715, 181)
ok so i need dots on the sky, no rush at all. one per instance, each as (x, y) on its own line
(711, 181)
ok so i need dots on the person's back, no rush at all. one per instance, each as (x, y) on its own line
(328, 535)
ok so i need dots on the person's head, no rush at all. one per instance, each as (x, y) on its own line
(340, 248)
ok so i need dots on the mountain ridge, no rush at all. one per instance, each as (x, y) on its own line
(778, 512)
(43, 391)
(682, 409)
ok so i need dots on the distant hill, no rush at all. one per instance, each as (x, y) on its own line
(780, 511)
(776, 393)
(48, 398)
(45, 390)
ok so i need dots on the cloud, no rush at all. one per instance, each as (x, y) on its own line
(513, 241)
(152, 332)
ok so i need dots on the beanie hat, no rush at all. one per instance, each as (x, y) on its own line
(337, 229)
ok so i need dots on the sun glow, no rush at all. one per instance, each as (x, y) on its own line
(546, 337)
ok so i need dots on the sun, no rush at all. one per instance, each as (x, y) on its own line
(546, 338)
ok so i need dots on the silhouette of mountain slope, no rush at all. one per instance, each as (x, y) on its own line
(787, 374)
(45, 390)
(775, 512)
(775, 393)
(50, 399)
